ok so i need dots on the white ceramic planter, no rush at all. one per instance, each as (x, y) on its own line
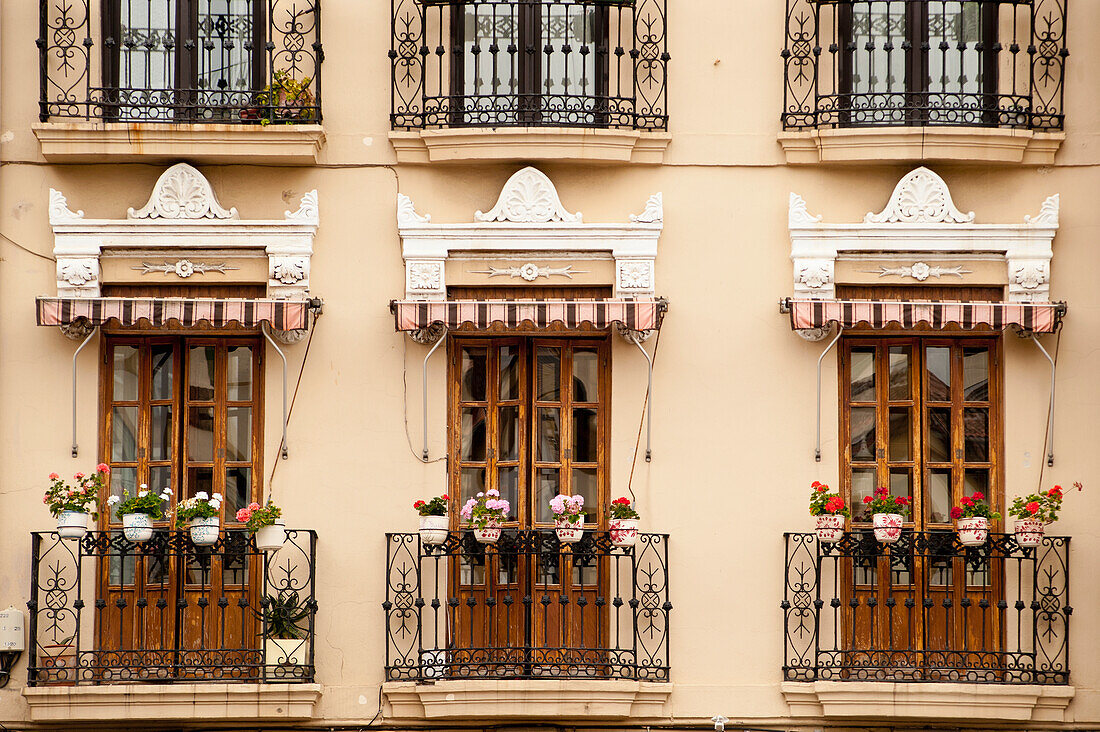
(72, 524)
(269, 538)
(624, 532)
(204, 531)
(973, 531)
(433, 529)
(137, 526)
(830, 529)
(887, 526)
(569, 532)
(286, 651)
(1029, 532)
(489, 535)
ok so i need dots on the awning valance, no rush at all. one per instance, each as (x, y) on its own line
(1036, 317)
(632, 313)
(157, 311)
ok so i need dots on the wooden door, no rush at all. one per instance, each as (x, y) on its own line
(529, 417)
(921, 416)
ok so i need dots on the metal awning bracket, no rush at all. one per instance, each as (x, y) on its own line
(817, 442)
(1050, 409)
(80, 348)
(424, 400)
(267, 334)
(649, 396)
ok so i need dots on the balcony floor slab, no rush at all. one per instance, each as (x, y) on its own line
(530, 143)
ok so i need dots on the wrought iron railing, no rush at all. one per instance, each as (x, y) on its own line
(926, 609)
(246, 61)
(529, 607)
(517, 63)
(107, 610)
(987, 63)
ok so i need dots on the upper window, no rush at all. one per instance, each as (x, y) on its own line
(992, 63)
(181, 61)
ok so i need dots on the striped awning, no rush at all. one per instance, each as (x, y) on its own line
(1037, 317)
(158, 311)
(632, 313)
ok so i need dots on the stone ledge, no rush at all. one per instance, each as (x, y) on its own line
(889, 700)
(530, 143)
(527, 699)
(122, 702)
(88, 142)
(911, 144)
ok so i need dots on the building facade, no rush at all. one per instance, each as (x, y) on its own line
(860, 229)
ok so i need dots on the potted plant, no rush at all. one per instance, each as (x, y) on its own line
(972, 519)
(568, 517)
(72, 504)
(888, 513)
(286, 642)
(265, 523)
(623, 523)
(200, 513)
(139, 512)
(1034, 512)
(434, 521)
(486, 513)
(830, 511)
(285, 100)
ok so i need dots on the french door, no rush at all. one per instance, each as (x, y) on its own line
(184, 414)
(529, 417)
(921, 416)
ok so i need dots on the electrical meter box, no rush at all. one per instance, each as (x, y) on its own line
(11, 630)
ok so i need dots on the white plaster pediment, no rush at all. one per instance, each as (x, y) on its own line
(183, 217)
(528, 218)
(920, 221)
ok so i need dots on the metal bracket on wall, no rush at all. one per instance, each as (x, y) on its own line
(1050, 409)
(77, 353)
(817, 442)
(649, 396)
(424, 400)
(282, 355)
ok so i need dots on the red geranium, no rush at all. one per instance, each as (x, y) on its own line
(435, 507)
(1032, 507)
(956, 512)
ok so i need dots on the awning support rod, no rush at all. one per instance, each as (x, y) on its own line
(817, 443)
(282, 355)
(648, 398)
(424, 401)
(78, 350)
(1050, 409)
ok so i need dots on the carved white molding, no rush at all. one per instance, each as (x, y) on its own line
(921, 220)
(921, 197)
(183, 217)
(528, 221)
(528, 197)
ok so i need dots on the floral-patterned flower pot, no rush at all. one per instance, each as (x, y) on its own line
(269, 538)
(433, 529)
(973, 531)
(887, 527)
(624, 532)
(1029, 532)
(830, 529)
(137, 527)
(489, 535)
(72, 524)
(569, 532)
(204, 531)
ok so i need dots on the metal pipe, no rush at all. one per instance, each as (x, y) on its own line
(1050, 409)
(78, 350)
(282, 356)
(424, 379)
(817, 444)
(648, 398)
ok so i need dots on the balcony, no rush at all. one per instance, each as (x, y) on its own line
(892, 79)
(217, 623)
(583, 626)
(989, 621)
(136, 79)
(550, 78)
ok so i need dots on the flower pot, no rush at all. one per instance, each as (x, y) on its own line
(973, 531)
(569, 532)
(137, 526)
(830, 529)
(887, 527)
(433, 529)
(624, 532)
(286, 651)
(1029, 532)
(489, 535)
(269, 538)
(204, 531)
(72, 524)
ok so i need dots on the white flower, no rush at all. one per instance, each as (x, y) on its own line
(142, 494)
(215, 504)
(164, 496)
(167, 492)
(202, 495)
(144, 486)
(113, 500)
(216, 496)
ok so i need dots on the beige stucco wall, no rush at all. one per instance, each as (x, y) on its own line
(734, 389)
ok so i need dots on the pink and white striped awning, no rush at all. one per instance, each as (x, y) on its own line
(1036, 317)
(632, 313)
(159, 311)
